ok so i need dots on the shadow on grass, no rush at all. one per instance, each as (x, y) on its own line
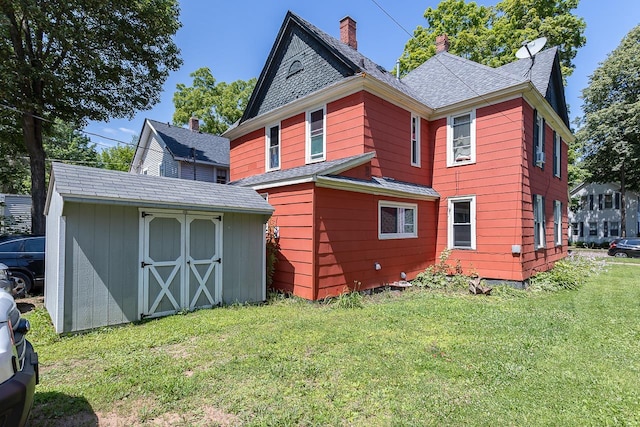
(53, 409)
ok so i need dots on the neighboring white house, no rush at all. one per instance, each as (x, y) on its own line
(595, 216)
(15, 213)
(177, 152)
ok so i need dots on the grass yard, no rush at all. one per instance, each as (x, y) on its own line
(416, 358)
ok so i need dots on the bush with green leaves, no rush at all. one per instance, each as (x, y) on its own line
(442, 275)
(568, 273)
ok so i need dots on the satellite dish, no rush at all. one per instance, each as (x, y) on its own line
(529, 49)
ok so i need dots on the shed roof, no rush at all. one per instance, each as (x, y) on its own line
(92, 185)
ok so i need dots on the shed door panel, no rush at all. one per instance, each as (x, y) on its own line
(203, 261)
(182, 262)
(164, 262)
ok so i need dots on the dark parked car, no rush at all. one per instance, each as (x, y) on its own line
(24, 256)
(625, 248)
(18, 365)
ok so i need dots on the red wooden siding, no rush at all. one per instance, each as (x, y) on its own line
(247, 155)
(348, 245)
(388, 132)
(542, 182)
(496, 182)
(294, 216)
(345, 127)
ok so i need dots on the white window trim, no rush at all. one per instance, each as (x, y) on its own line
(539, 202)
(417, 142)
(540, 123)
(557, 222)
(451, 201)
(472, 133)
(308, 135)
(388, 236)
(267, 158)
(558, 153)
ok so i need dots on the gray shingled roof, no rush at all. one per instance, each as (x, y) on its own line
(540, 71)
(94, 185)
(181, 141)
(320, 168)
(361, 62)
(446, 79)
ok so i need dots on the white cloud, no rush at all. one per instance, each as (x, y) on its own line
(127, 130)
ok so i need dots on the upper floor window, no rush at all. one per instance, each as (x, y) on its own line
(557, 144)
(316, 138)
(221, 176)
(538, 140)
(557, 222)
(538, 221)
(397, 220)
(608, 201)
(415, 140)
(461, 139)
(273, 147)
(462, 222)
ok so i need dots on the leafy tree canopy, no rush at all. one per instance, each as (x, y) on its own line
(610, 132)
(491, 35)
(117, 157)
(218, 105)
(79, 60)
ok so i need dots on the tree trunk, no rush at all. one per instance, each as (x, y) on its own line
(623, 205)
(32, 132)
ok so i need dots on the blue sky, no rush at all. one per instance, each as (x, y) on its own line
(233, 39)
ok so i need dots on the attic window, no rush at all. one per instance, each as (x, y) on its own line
(296, 66)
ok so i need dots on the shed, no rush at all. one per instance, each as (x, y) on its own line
(123, 247)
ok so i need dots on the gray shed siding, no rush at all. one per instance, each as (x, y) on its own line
(54, 273)
(101, 266)
(243, 241)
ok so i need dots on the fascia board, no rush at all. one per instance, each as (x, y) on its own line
(335, 184)
(537, 101)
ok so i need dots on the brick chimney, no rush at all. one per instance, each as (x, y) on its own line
(348, 32)
(442, 43)
(194, 124)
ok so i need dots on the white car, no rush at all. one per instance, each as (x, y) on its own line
(18, 364)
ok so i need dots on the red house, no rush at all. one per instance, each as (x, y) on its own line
(373, 176)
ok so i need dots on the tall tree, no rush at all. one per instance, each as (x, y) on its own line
(118, 157)
(491, 35)
(218, 105)
(79, 60)
(610, 132)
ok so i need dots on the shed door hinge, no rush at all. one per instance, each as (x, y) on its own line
(143, 264)
(219, 261)
(145, 214)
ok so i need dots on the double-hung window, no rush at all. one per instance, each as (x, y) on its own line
(462, 222)
(557, 222)
(316, 135)
(614, 229)
(538, 221)
(415, 140)
(461, 139)
(557, 144)
(273, 147)
(538, 140)
(397, 220)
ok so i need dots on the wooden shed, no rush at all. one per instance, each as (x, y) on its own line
(123, 247)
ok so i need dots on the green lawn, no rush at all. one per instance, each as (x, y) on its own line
(416, 358)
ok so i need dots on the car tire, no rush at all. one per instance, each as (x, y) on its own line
(621, 254)
(23, 284)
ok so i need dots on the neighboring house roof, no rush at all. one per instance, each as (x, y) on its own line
(325, 175)
(181, 143)
(92, 185)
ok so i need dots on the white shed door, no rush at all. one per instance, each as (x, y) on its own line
(181, 262)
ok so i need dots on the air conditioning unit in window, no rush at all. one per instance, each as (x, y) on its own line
(539, 159)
